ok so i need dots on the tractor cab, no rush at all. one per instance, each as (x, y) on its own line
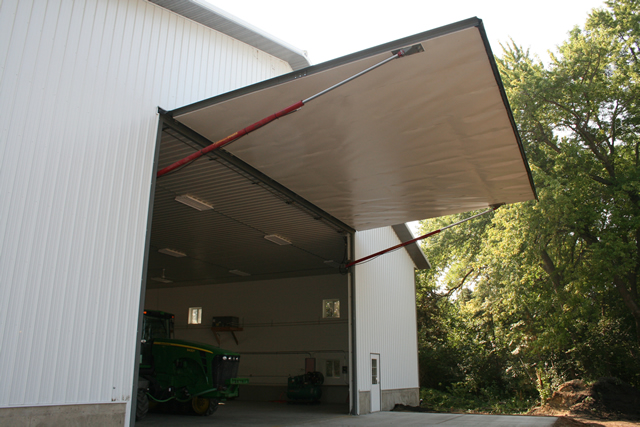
(180, 375)
(155, 325)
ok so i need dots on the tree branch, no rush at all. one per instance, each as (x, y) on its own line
(549, 267)
(452, 290)
(545, 138)
(629, 301)
(601, 180)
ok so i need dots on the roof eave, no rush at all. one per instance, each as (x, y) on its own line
(415, 252)
(224, 22)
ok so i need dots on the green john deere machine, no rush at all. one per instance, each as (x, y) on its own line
(182, 375)
(305, 388)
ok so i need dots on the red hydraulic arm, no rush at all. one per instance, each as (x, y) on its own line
(424, 236)
(230, 138)
(257, 125)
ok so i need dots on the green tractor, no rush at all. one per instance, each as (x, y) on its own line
(181, 374)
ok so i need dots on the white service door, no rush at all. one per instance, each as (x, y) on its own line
(375, 382)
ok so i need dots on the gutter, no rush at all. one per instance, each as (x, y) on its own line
(224, 22)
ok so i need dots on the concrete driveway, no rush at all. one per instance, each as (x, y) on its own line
(239, 413)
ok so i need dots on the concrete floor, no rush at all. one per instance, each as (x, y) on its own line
(239, 413)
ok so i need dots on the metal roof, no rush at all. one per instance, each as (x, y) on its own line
(232, 26)
(426, 135)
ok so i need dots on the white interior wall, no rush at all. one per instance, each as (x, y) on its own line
(385, 312)
(80, 83)
(277, 316)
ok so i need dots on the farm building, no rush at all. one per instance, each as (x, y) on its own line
(98, 96)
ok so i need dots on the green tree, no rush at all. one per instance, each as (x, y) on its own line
(554, 283)
(579, 120)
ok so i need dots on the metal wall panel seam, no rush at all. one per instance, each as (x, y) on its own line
(104, 182)
(11, 319)
(117, 367)
(42, 307)
(126, 297)
(24, 337)
(81, 86)
(62, 212)
(64, 209)
(92, 160)
(121, 390)
(50, 226)
(187, 43)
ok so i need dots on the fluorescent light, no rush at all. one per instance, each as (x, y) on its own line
(172, 252)
(194, 203)
(162, 279)
(277, 239)
(239, 273)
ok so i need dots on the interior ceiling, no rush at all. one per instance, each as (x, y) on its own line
(422, 136)
(231, 236)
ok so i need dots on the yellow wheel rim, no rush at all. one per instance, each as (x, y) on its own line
(200, 405)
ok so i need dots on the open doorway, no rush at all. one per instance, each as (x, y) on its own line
(247, 267)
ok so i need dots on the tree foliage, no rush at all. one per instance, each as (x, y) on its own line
(545, 291)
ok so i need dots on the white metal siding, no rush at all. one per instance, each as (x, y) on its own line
(80, 83)
(385, 312)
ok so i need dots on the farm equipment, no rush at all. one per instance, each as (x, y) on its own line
(305, 388)
(180, 374)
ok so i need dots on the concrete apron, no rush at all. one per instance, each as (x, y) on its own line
(242, 413)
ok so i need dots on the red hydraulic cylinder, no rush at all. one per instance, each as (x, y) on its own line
(230, 138)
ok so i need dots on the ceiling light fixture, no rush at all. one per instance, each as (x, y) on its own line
(194, 203)
(332, 263)
(172, 252)
(239, 273)
(277, 239)
(162, 279)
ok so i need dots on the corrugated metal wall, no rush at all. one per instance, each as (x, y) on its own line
(80, 83)
(385, 312)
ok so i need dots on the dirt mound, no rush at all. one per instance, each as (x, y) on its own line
(607, 398)
(570, 422)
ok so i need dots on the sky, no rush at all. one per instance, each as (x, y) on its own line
(328, 29)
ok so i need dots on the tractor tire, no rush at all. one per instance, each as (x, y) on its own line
(142, 404)
(204, 407)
